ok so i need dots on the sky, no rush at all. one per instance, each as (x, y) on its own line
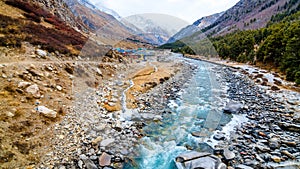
(188, 10)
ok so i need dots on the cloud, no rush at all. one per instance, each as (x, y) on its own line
(189, 10)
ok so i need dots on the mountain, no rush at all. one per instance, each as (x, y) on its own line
(155, 28)
(195, 27)
(103, 8)
(248, 15)
(106, 28)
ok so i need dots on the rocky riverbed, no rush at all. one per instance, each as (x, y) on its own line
(270, 137)
(92, 137)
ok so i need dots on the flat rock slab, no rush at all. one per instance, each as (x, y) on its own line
(190, 156)
(194, 160)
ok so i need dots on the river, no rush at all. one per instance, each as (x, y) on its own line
(199, 110)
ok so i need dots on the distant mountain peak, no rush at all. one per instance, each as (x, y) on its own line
(103, 8)
(195, 27)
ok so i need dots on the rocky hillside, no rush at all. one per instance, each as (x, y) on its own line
(248, 15)
(107, 28)
(27, 21)
(62, 11)
(195, 27)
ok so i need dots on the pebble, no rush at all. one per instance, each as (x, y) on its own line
(97, 140)
(106, 142)
(104, 160)
(276, 159)
(59, 88)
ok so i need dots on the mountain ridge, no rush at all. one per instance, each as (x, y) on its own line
(195, 27)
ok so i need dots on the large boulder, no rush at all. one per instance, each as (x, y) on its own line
(194, 160)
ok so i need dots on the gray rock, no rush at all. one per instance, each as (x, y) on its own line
(233, 107)
(191, 155)
(157, 118)
(124, 152)
(286, 166)
(259, 158)
(89, 164)
(193, 160)
(41, 53)
(106, 142)
(297, 117)
(104, 160)
(34, 90)
(229, 155)
(93, 157)
(274, 143)
(83, 157)
(107, 168)
(241, 166)
(262, 148)
(23, 84)
(219, 136)
(46, 112)
(80, 164)
(62, 167)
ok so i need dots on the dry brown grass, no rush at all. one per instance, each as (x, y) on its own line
(147, 78)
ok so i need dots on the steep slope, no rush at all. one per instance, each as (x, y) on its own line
(35, 25)
(248, 15)
(103, 8)
(195, 27)
(105, 28)
(62, 11)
